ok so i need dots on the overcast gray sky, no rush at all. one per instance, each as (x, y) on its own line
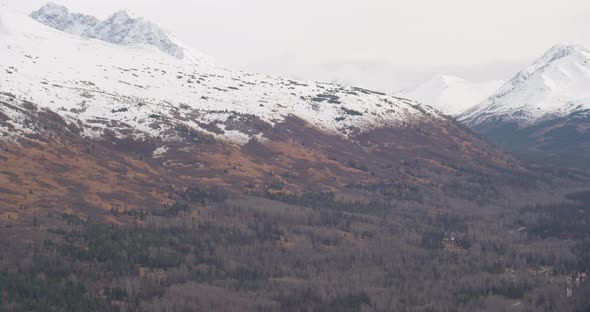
(384, 44)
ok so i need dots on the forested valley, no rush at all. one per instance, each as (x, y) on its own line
(214, 250)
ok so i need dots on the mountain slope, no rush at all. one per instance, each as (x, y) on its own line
(544, 108)
(52, 167)
(149, 92)
(195, 124)
(451, 95)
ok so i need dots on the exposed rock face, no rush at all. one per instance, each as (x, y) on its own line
(120, 28)
(59, 17)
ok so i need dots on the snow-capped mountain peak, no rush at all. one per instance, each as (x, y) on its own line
(451, 95)
(556, 84)
(120, 28)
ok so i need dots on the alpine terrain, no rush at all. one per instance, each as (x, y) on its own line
(137, 175)
(206, 123)
(545, 107)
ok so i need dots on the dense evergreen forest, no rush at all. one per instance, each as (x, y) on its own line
(216, 251)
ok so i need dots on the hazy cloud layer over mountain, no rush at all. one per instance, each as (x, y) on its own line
(339, 36)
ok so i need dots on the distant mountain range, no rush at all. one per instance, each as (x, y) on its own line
(450, 94)
(543, 111)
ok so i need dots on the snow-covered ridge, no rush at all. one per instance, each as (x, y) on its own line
(556, 84)
(450, 94)
(140, 91)
(119, 28)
